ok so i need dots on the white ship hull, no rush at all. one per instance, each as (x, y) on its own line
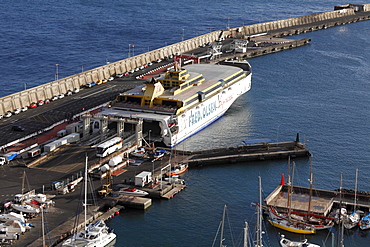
(207, 112)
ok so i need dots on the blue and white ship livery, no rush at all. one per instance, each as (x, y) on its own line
(184, 100)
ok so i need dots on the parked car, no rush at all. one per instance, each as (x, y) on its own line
(61, 96)
(111, 78)
(24, 108)
(17, 111)
(141, 67)
(127, 73)
(8, 114)
(47, 101)
(33, 105)
(1, 116)
(54, 98)
(69, 93)
(18, 128)
(98, 82)
(159, 60)
(76, 90)
(40, 102)
(90, 84)
(104, 80)
(119, 75)
(150, 64)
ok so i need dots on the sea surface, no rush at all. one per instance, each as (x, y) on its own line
(321, 91)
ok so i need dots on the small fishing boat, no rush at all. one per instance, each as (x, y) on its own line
(364, 222)
(177, 170)
(132, 192)
(158, 154)
(284, 242)
(140, 153)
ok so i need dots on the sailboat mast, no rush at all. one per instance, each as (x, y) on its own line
(259, 217)
(85, 196)
(356, 185)
(222, 227)
(340, 240)
(246, 235)
(310, 197)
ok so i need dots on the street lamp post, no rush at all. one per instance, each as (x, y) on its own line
(133, 50)
(56, 72)
(25, 86)
(82, 68)
(153, 172)
(149, 136)
(129, 50)
(183, 34)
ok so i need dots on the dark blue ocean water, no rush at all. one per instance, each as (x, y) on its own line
(321, 91)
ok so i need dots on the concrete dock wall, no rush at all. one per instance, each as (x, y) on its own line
(54, 88)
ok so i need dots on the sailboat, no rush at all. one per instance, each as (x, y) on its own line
(352, 220)
(220, 230)
(96, 234)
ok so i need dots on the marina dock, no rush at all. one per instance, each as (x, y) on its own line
(253, 150)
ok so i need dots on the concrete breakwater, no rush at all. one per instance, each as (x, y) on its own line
(341, 15)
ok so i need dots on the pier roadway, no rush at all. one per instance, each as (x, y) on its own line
(34, 120)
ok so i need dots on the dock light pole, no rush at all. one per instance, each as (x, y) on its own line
(183, 34)
(56, 72)
(82, 68)
(25, 85)
(228, 23)
(129, 50)
(149, 135)
(153, 172)
(133, 50)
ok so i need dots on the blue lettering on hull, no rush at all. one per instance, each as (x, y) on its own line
(200, 114)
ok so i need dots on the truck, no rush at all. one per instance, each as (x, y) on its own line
(9, 156)
(2, 161)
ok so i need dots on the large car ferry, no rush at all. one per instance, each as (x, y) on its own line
(182, 101)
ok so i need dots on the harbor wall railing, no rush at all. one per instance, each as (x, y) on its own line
(63, 85)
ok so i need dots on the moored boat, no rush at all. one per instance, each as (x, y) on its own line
(280, 221)
(183, 101)
(25, 209)
(177, 170)
(364, 223)
(132, 192)
(284, 242)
